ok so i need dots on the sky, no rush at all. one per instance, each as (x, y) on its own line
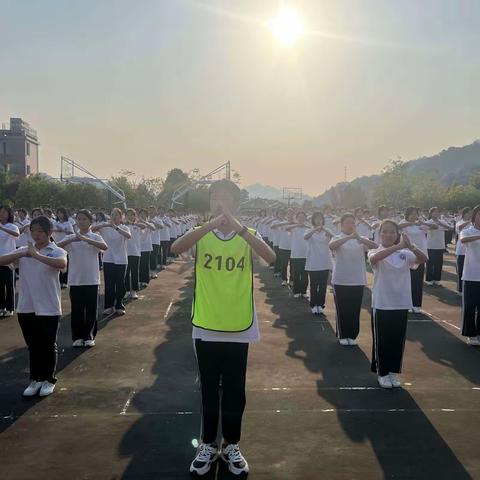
(152, 85)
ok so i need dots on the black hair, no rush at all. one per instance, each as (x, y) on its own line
(100, 216)
(130, 210)
(409, 211)
(391, 222)
(382, 207)
(23, 210)
(44, 223)
(431, 211)
(465, 211)
(63, 212)
(9, 211)
(37, 209)
(317, 215)
(345, 216)
(87, 213)
(227, 186)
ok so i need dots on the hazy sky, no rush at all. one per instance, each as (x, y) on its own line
(151, 85)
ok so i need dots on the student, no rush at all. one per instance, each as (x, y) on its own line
(436, 247)
(382, 215)
(115, 261)
(275, 233)
(154, 256)
(134, 252)
(363, 228)
(470, 238)
(464, 221)
(164, 239)
(224, 321)
(299, 255)
(83, 279)
(39, 303)
(319, 262)
(416, 230)
(391, 300)
(285, 246)
(62, 227)
(349, 278)
(146, 246)
(9, 233)
(22, 222)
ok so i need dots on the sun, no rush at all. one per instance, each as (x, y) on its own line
(287, 27)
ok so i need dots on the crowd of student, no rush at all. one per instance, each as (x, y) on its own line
(405, 251)
(43, 252)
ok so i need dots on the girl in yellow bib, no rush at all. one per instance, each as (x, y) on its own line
(224, 321)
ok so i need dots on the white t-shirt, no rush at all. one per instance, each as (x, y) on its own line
(24, 237)
(66, 226)
(117, 245)
(418, 236)
(39, 290)
(284, 239)
(471, 268)
(299, 244)
(435, 238)
(133, 244)
(392, 288)
(165, 231)
(349, 263)
(156, 233)
(250, 335)
(319, 255)
(459, 247)
(83, 267)
(363, 230)
(146, 240)
(8, 243)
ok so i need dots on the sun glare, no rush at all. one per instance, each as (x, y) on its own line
(287, 27)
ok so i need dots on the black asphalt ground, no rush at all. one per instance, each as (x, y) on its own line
(129, 408)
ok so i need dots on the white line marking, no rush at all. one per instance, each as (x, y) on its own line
(127, 403)
(439, 320)
(168, 308)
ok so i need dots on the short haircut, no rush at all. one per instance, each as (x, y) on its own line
(44, 223)
(317, 215)
(226, 186)
(430, 212)
(409, 211)
(465, 210)
(87, 214)
(345, 216)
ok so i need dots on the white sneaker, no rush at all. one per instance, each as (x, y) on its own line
(134, 295)
(343, 341)
(297, 295)
(2, 312)
(284, 283)
(206, 455)
(154, 276)
(410, 310)
(429, 283)
(417, 310)
(304, 295)
(8, 313)
(352, 341)
(276, 274)
(319, 309)
(315, 310)
(395, 380)
(78, 343)
(47, 389)
(108, 311)
(232, 456)
(89, 343)
(475, 341)
(32, 389)
(120, 311)
(438, 284)
(385, 381)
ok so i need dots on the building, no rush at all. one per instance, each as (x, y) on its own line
(19, 149)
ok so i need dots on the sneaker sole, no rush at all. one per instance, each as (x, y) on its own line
(233, 469)
(205, 469)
